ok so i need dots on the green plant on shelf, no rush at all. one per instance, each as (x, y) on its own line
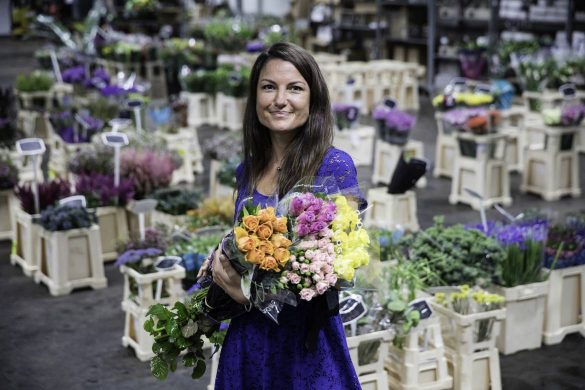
(176, 201)
(34, 82)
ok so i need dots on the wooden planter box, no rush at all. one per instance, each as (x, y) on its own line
(134, 224)
(388, 210)
(70, 259)
(459, 331)
(230, 111)
(524, 323)
(113, 228)
(565, 306)
(386, 157)
(371, 374)
(445, 150)
(474, 363)
(186, 144)
(147, 284)
(41, 100)
(421, 364)
(7, 206)
(135, 336)
(26, 168)
(200, 108)
(216, 189)
(26, 237)
(357, 142)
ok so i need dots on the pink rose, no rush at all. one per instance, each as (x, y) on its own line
(294, 278)
(314, 268)
(322, 287)
(304, 268)
(295, 265)
(309, 254)
(306, 217)
(296, 206)
(317, 278)
(331, 279)
(307, 294)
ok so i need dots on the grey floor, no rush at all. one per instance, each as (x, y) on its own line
(74, 342)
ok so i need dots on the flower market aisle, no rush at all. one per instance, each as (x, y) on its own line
(73, 342)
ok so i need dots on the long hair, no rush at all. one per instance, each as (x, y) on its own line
(307, 149)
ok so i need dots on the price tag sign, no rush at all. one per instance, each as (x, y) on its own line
(30, 146)
(74, 201)
(142, 206)
(351, 309)
(391, 103)
(167, 263)
(422, 307)
(115, 139)
(134, 103)
(569, 91)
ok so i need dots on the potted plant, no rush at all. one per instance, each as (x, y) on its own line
(232, 87)
(523, 284)
(26, 233)
(69, 250)
(393, 125)
(9, 133)
(456, 254)
(33, 91)
(98, 159)
(145, 286)
(470, 322)
(220, 148)
(563, 246)
(473, 60)
(173, 204)
(227, 35)
(8, 179)
(346, 115)
(148, 170)
(109, 201)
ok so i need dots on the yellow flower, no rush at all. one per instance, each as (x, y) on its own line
(440, 298)
(240, 232)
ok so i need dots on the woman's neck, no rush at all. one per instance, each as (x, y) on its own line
(280, 142)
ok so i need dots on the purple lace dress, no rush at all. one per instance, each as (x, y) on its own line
(259, 354)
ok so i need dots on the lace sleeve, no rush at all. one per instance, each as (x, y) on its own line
(339, 165)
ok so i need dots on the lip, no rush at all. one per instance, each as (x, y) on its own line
(280, 114)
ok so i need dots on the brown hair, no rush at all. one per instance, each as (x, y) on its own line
(306, 151)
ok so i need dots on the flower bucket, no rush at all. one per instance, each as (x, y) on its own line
(473, 63)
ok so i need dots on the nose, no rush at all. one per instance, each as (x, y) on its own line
(280, 98)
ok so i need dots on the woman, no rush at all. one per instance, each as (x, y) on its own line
(288, 132)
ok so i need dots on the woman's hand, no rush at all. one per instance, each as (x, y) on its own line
(226, 277)
(204, 267)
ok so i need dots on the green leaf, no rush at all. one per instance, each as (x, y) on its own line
(182, 312)
(190, 329)
(173, 365)
(199, 369)
(157, 348)
(183, 343)
(397, 306)
(159, 311)
(189, 360)
(159, 368)
(149, 326)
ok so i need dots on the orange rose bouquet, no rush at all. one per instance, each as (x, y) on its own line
(258, 249)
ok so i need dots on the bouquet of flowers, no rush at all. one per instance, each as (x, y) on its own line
(309, 242)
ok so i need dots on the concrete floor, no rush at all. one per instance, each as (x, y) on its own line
(74, 342)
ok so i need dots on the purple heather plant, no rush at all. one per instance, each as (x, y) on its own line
(133, 256)
(399, 121)
(149, 170)
(49, 194)
(99, 190)
(459, 117)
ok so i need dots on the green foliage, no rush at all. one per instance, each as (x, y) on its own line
(227, 35)
(200, 81)
(521, 48)
(523, 265)
(35, 82)
(200, 243)
(231, 81)
(8, 173)
(456, 254)
(226, 175)
(102, 108)
(180, 329)
(176, 201)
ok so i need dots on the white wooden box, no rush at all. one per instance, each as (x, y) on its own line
(70, 259)
(371, 375)
(386, 158)
(421, 364)
(565, 306)
(478, 371)
(146, 285)
(113, 229)
(216, 189)
(358, 142)
(200, 108)
(134, 334)
(388, 210)
(230, 111)
(25, 246)
(186, 144)
(524, 323)
(7, 206)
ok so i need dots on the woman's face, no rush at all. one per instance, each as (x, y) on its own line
(283, 96)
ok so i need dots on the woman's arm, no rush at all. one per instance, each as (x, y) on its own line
(226, 277)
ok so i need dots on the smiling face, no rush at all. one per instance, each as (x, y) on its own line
(283, 97)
